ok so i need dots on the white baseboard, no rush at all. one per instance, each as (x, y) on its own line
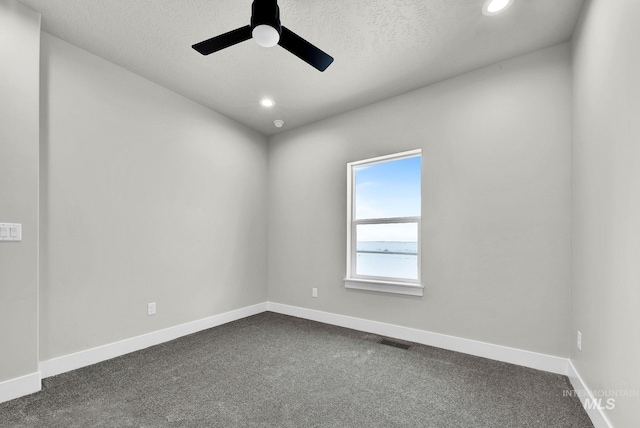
(587, 399)
(85, 358)
(505, 354)
(80, 359)
(19, 387)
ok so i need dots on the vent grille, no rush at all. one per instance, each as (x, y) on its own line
(395, 344)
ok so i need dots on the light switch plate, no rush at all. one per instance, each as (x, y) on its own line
(10, 232)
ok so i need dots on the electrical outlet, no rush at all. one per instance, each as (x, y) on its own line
(314, 292)
(151, 308)
(579, 342)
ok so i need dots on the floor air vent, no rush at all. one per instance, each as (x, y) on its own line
(393, 343)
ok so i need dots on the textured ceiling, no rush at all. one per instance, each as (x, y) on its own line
(381, 48)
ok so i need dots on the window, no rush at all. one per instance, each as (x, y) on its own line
(383, 230)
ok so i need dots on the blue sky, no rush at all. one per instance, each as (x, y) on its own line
(389, 189)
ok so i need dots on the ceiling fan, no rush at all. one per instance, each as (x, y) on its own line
(267, 31)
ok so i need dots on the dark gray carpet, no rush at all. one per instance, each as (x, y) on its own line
(271, 370)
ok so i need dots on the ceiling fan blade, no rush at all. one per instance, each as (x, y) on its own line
(223, 41)
(304, 50)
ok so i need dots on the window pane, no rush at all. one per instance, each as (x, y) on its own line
(387, 250)
(388, 189)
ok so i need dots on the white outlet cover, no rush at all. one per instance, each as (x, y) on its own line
(151, 308)
(579, 341)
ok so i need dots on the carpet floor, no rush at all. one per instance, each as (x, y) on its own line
(272, 370)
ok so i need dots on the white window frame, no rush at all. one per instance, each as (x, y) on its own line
(412, 287)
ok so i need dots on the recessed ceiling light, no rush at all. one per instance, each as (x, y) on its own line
(266, 102)
(494, 7)
(278, 123)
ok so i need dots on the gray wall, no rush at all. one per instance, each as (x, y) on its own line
(146, 197)
(606, 202)
(496, 205)
(19, 115)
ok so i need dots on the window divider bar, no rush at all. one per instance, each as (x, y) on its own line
(387, 220)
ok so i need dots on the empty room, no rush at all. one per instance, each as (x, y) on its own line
(250, 213)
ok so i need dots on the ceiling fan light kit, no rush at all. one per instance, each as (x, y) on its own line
(267, 31)
(266, 36)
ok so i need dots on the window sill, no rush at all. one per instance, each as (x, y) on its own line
(384, 286)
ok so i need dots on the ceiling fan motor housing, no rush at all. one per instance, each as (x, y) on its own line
(266, 12)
